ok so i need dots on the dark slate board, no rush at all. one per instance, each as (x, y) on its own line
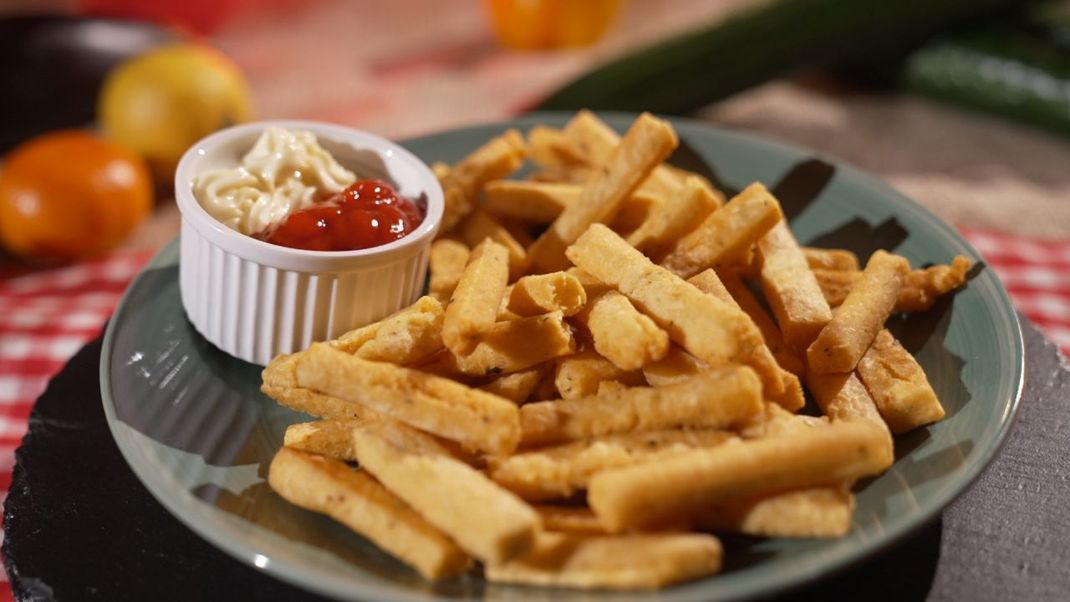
(80, 526)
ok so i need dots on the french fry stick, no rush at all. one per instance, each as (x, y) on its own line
(726, 233)
(646, 144)
(358, 501)
(479, 225)
(544, 293)
(836, 284)
(550, 147)
(408, 336)
(434, 404)
(621, 333)
(484, 519)
(559, 472)
(280, 383)
(774, 340)
(592, 136)
(642, 561)
(708, 328)
(843, 341)
(790, 287)
(516, 387)
(518, 345)
(677, 365)
(565, 174)
(843, 397)
(569, 519)
(592, 285)
(679, 214)
(497, 158)
(448, 258)
(830, 259)
(581, 374)
(332, 438)
(473, 309)
(647, 495)
(539, 202)
(720, 398)
(814, 512)
(899, 387)
(922, 287)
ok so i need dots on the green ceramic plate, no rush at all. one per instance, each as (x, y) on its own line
(192, 424)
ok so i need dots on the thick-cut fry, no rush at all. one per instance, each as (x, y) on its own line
(580, 375)
(922, 287)
(646, 144)
(815, 512)
(790, 287)
(518, 345)
(332, 438)
(720, 398)
(830, 259)
(677, 366)
(544, 293)
(836, 284)
(280, 383)
(408, 336)
(570, 519)
(898, 385)
(479, 225)
(539, 202)
(774, 340)
(644, 561)
(647, 495)
(437, 405)
(448, 258)
(486, 520)
(358, 501)
(497, 158)
(621, 333)
(708, 328)
(843, 397)
(843, 341)
(726, 233)
(516, 387)
(473, 309)
(550, 147)
(559, 472)
(679, 214)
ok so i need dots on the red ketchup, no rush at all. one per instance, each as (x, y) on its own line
(367, 214)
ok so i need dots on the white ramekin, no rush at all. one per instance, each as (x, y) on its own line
(254, 299)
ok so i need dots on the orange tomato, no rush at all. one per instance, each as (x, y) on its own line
(535, 24)
(70, 194)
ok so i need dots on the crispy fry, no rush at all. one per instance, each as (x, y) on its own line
(898, 385)
(434, 404)
(922, 287)
(645, 561)
(830, 259)
(580, 375)
(569, 519)
(592, 136)
(647, 143)
(516, 387)
(571, 174)
(836, 284)
(473, 309)
(539, 202)
(544, 293)
(497, 158)
(720, 398)
(790, 287)
(745, 299)
(479, 225)
(621, 333)
(646, 495)
(843, 341)
(408, 336)
(708, 328)
(559, 472)
(726, 233)
(843, 397)
(677, 366)
(814, 512)
(486, 520)
(592, 285)
(550, 147)
(518, 345)
(332, 438)
(448, 258)
(679, 214)
(280, 383)
(358, 501)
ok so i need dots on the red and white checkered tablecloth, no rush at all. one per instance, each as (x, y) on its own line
(46, 316)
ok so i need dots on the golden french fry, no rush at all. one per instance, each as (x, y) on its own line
(777, 421)
(708, 328)
(569, 519)
(448, 258)
(539, 202)
(843, 397)
(647, 495)
(592, 136)
(790, 287)
(559, 472)
(592, 285)
(479, 225)
(565, 174)
(473, 309)
(358, 501)
(646, 144)
(899, 387)
(497, 158)
(814, 512)
(486, 520)
(550, 147)
(518, 345)
(434, 404)
(677, 366)
(332, 438)
(581, 374)
(774, 340)
(544, 293)
(679, 214)
(621, 333)
(843, 341)
(836, 284)
(280, 383)
(922, 287)
(516, 387)
(720, 398)
(642, 561)
(408, 336)
(830, 259)
(726, 233)
(635, 211)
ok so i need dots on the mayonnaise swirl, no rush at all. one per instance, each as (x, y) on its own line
(285, 171)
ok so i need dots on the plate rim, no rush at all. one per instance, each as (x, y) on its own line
(792, 577)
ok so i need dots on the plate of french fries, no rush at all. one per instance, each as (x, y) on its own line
(653, 360)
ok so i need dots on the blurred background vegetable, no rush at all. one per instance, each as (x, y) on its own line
(542, 24)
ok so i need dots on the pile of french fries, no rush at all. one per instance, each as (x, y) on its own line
(594, 387)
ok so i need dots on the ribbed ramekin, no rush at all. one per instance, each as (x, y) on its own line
(255, 300)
